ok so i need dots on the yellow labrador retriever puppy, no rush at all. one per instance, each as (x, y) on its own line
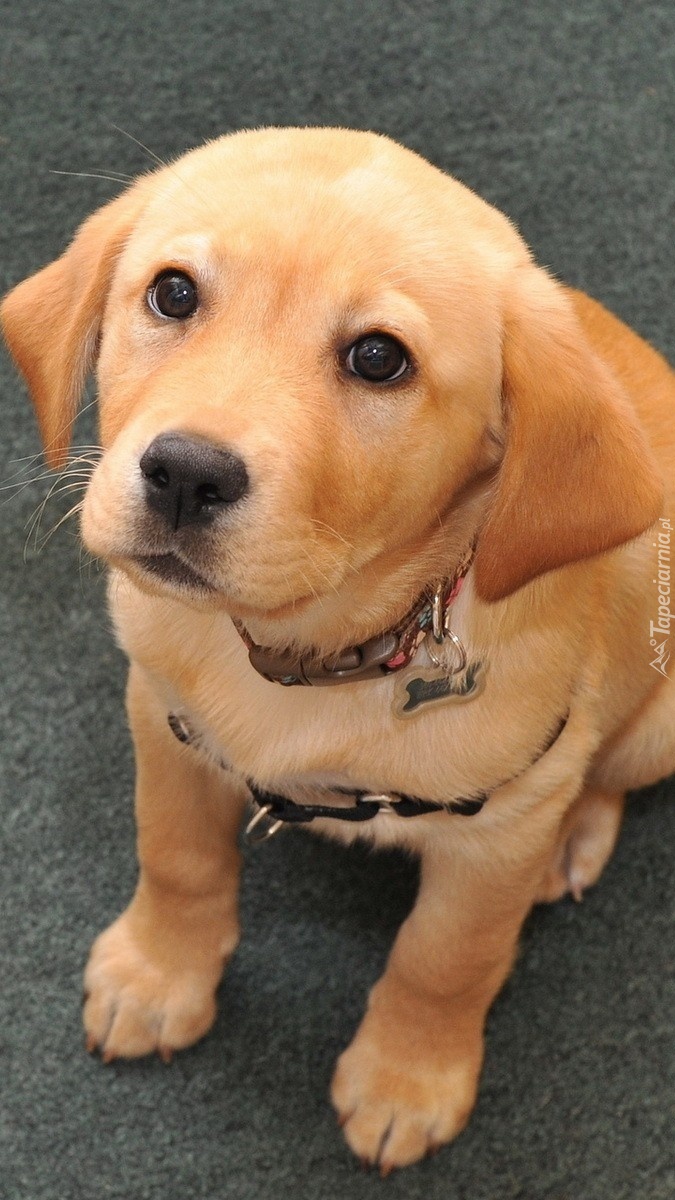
(387, 515)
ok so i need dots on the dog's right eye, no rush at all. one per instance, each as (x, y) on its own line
(173, 294)
(378, 358)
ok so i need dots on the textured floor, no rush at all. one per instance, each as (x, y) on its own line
(563, 115)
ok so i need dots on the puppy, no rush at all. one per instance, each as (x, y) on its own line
(387, 514)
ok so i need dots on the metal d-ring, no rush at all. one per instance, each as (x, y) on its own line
(266, 834)
(440, 630)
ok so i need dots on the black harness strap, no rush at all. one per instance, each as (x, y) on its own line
(366, 806)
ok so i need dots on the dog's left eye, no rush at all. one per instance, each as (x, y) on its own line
(173, 294)
(378, 358)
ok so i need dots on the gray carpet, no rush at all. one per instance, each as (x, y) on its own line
(562, 115)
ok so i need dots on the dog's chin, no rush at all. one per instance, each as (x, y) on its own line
(169, 575)
(169, 568)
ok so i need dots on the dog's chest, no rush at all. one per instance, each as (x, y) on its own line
(346, 734)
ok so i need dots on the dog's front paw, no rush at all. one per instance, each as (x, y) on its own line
(144, 994)
(397, 1100)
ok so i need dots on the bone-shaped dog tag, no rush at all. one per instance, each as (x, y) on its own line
(421, 688)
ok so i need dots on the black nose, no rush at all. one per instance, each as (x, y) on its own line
(189, 481)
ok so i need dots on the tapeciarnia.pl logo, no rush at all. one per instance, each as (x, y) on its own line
(662, 626)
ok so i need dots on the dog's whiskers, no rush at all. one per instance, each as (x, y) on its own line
(207, 202)
(312, 590)
(76, 508)
(87, 564)
(323, 527)
(95, 175)
(160, 162)
(74, 477)
(84, 564)
(67, 426)
(329, 582)
(31, 460)
(16, 488)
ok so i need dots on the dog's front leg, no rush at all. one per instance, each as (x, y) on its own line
(408, 1081)
(151, 978)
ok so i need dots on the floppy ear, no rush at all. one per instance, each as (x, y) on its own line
(51, 321)
(577, 475)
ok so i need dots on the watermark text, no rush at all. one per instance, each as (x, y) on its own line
(659, 630)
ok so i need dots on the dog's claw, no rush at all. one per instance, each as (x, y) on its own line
(165, 1053)
(108, 1056)
(576, 887)
(90, 1045)
(365, 1163)
(386, 1169)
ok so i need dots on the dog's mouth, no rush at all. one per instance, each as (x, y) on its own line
(173, 570)
(180, 577)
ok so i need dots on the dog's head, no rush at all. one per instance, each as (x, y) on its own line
(315, 354)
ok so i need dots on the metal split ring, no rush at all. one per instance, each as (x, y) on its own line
(265, 834)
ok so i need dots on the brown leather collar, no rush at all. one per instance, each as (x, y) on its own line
(379, 655)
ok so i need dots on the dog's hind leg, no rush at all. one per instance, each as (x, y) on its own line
(588, 835)
(151, 978)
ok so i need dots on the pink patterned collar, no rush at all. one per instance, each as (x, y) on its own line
(380, 655)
